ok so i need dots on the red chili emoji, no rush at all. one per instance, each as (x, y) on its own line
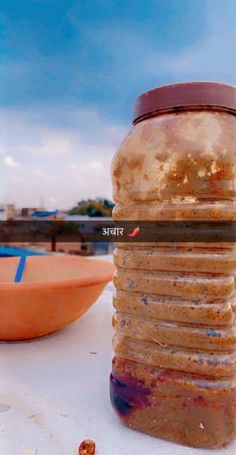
(134, 233)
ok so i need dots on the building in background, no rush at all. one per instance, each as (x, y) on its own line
(11, 211)
(3, 213)
(7, 212)
(27, 212)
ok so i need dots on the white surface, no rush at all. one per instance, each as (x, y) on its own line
(54, 393)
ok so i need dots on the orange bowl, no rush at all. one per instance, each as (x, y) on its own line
(54, 291)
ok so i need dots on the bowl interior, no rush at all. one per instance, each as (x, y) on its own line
(43, 269)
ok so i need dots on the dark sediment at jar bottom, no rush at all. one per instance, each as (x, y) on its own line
(188, 416)
(126, 397)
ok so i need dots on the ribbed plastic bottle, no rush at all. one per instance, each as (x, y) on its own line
(174, 370)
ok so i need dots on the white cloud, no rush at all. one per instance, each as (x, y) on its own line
(61, 158)
(16, 179)
(213, 58)
(96, 165)
(74, 167)
(10, 162)
(64, 152)
(52, 200)
(210, 57)
(87, 167)
(52, 144)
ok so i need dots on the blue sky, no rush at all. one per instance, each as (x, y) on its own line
(70, 72)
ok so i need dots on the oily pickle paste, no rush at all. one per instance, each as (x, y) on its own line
(174, 370)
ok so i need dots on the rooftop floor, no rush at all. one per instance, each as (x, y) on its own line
(55, 393)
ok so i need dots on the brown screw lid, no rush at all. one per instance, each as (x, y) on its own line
(188, 95)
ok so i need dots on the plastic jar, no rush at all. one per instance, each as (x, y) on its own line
(174, 370)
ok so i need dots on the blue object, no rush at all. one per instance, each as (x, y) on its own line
(20, 269)
(44, 214)
(7, 251)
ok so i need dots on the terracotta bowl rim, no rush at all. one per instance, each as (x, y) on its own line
(58, 284)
